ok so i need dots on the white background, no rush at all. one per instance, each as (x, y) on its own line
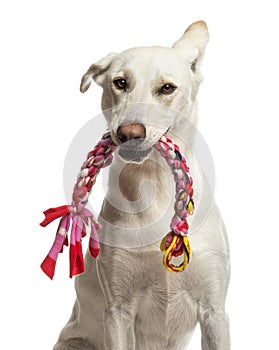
(46, 46)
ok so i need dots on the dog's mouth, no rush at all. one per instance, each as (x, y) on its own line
(138, 149)
(134, 151)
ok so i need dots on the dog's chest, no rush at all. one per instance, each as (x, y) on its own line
(156, 299)
(165, 314)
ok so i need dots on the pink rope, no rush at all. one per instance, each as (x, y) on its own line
(77, 217)
(176, 242)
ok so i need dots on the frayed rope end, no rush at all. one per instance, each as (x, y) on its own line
(48, 266)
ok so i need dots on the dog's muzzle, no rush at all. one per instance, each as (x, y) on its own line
(131, 137)
(132, 151)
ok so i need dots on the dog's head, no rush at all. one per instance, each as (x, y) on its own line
(149, 90)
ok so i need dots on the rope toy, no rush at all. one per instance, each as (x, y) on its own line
(77, 217)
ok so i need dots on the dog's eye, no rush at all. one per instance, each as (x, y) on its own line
(120, 84)
(167, 89)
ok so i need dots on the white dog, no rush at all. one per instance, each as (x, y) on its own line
(126, 299)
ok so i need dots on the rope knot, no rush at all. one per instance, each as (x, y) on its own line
(179, 226)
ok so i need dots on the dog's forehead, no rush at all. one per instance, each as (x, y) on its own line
(150, 59)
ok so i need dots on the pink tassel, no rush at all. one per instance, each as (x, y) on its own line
(76, 256)
(94, 245)
(49, 263)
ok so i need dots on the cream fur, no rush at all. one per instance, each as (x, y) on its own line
(126, 299)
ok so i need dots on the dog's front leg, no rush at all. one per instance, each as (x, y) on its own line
(118, 316)
(118, 328)
(215, 329)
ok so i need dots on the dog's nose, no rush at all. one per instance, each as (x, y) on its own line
(131, 131)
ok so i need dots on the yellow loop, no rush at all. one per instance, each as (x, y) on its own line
(163, 244)
(187, 257)
(167, 252)
(187, 245)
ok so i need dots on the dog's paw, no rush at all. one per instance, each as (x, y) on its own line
(73, 344)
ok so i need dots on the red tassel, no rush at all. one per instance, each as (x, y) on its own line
(76, 259)
(79, 266)
(94, 251)
(48, 266)
(73, 256)
(94, 245)
(54, 213)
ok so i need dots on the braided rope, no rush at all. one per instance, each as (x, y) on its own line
(78, 217)
(176, 242)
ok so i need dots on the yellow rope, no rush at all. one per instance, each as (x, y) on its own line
(187, 253)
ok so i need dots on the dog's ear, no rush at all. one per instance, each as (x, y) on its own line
(95, 72)
(194, 41)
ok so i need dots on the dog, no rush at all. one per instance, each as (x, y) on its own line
(126, 299)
